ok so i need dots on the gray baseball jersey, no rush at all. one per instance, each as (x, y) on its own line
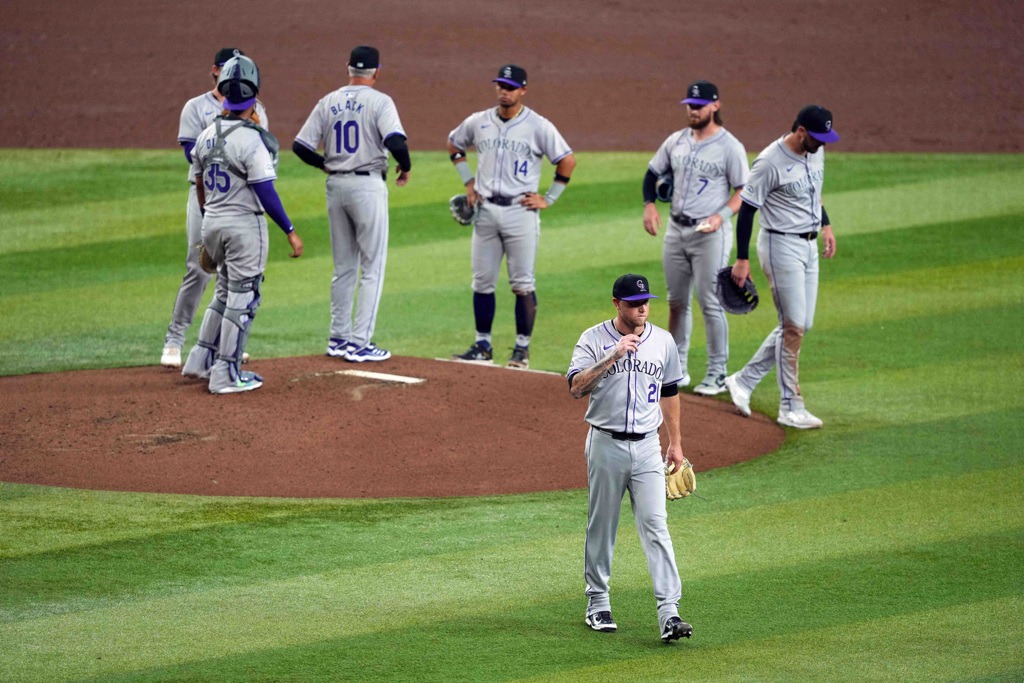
(197, 114)
(351, 125)
(230, 156)
(786, 188)
(627, 399)
(705, 172)
(509, 152)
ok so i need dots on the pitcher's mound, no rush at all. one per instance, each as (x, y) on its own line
(313, 432)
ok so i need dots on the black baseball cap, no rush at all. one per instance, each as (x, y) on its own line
(701, 92)
(224, 54)
(364, 57)
(513, 75)
(818, 122)
(632, 287)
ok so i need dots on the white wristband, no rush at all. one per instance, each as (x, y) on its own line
(464, 173)
(554, 192)
(725, 213)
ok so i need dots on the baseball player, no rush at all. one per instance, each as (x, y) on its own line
(196, 116)
(356, 126)
(708, 167)
(234, 162)
(630, 369)
(785, 184)
(510, 140)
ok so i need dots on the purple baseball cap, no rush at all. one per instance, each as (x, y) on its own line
(239, 106)
(701, 92)
(512, 75)
(818, 123)
(632, 287)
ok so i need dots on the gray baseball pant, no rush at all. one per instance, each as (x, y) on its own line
(691, 262)
(613, 468)
(357, 209)
(512, 231)
(239, 244)
(791, 266)
(193, 284)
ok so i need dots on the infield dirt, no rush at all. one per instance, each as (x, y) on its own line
(908, 76)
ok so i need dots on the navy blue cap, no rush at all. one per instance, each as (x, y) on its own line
(632, 287)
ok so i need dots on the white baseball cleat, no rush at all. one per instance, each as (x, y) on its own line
(740, 396)
(712, 385)
(171, 357)
(685, 381)
(800, 419)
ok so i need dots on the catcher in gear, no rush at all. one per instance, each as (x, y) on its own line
(462, 211)
(679, 481)
(735, 299)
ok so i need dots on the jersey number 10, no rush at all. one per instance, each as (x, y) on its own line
(346, 135)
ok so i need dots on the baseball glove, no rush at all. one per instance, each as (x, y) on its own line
(462, 212)
(205, 261)
(735, 300)
(679, 483)
(664, 187)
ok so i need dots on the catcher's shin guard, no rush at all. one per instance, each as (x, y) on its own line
(200, 358)
(243, 301)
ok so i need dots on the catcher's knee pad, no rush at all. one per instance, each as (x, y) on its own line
(242, 304)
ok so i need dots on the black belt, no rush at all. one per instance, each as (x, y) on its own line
(623, 436)
(500, 200)
(685, 221)
(383, 174)
(809, 236)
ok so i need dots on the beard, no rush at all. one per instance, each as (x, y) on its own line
(701, 124)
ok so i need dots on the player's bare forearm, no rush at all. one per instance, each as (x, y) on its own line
(670, 412)
(741, 271)
(566, 165)
(296, 243)
(200, 193)
(584, 382)
(829, 239)
(652, 219)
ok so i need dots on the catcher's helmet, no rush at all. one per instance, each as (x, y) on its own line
(239, 82)
(735, 300)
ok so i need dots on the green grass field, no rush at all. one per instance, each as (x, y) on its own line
(887, 546)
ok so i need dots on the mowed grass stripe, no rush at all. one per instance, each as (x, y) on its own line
(935, 645)
(197, 561)
(336, 620)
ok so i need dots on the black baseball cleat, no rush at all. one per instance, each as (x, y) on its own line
(520, 358)
(477, 353)
(675, 628)
(601, 621)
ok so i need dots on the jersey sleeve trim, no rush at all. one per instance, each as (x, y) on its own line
(555, 161)
(305, 144)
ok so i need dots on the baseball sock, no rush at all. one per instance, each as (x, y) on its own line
(483, 310)
(526, 313)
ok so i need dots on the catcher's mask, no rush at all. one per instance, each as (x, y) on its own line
(239, 82)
